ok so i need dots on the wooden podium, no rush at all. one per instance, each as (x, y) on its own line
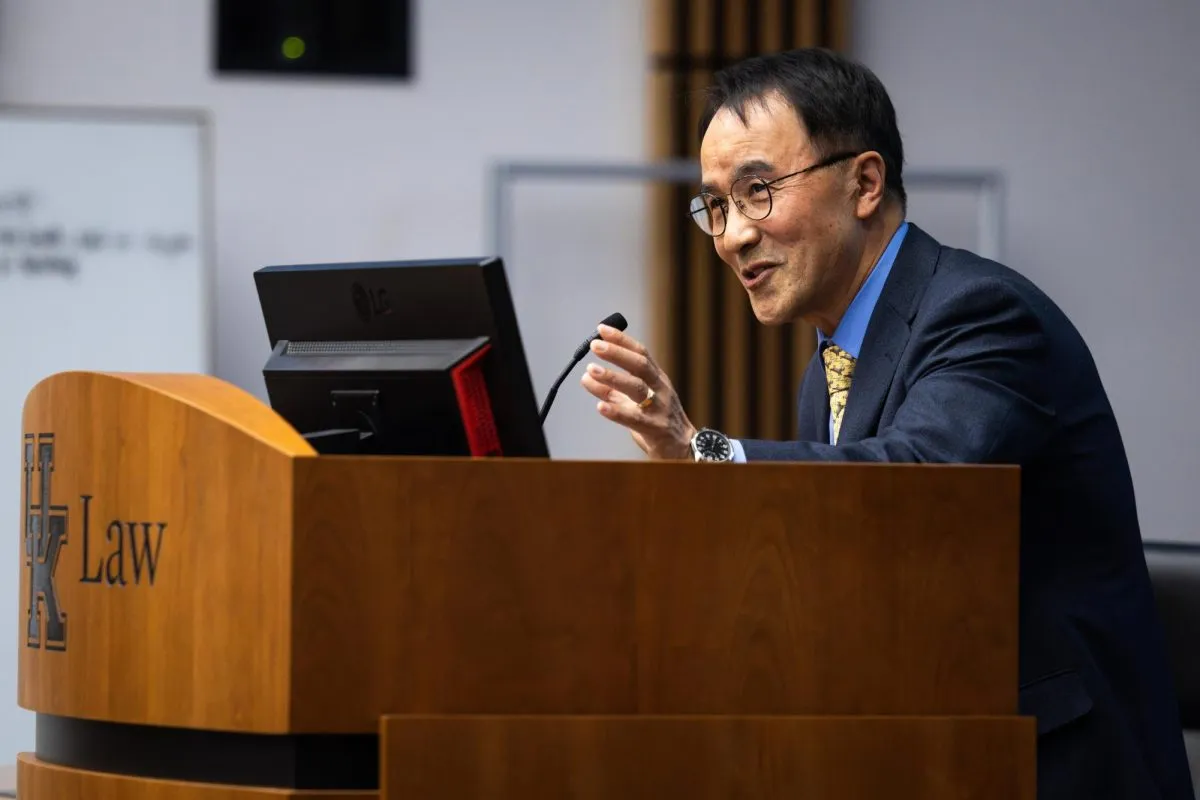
(220, 614)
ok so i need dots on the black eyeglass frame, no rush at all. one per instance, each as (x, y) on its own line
(723, 200)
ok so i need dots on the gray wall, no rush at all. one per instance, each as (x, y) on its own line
(1091, 108)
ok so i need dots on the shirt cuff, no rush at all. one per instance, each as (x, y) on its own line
(739, 453)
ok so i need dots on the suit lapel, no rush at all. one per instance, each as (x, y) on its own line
(887, 335)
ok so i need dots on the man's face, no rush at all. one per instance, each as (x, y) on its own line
(800, 261)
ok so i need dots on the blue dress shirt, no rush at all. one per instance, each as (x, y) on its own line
(853, 326)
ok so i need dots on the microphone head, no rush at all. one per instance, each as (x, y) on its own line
(616, 320)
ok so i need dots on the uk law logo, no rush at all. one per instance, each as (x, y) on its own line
(45, 532)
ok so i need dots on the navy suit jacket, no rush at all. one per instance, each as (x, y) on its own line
(966, 361)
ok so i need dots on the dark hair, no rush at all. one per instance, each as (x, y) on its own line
(842, 104)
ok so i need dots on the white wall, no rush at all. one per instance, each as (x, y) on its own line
(323, 170)
(1091, 108)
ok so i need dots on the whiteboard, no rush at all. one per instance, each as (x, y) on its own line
(104, 265)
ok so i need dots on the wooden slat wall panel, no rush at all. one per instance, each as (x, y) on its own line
(734, 337)
(707, 27)
(660, 197)
(732, 373)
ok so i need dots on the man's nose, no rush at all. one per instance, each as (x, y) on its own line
(740, 232)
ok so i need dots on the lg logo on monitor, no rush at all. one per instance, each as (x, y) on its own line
(370, 303)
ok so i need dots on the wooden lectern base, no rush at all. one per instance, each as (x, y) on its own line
(652, 757)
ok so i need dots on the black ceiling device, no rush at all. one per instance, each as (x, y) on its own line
(336, 38)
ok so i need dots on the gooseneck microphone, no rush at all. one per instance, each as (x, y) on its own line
(613, 321)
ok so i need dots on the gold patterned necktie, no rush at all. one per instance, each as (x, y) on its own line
(839, 371)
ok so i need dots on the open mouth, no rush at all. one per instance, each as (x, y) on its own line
(756, 273)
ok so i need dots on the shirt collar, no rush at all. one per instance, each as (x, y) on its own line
(852, 329)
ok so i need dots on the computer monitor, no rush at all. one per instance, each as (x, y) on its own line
(399, 358)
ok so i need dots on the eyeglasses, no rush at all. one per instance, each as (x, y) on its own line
(750, 193)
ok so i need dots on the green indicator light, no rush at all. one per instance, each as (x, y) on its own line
(293, 47)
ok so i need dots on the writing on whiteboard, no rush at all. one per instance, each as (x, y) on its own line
(33, 247)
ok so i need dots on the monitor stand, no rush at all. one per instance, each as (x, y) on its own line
(350, 403)
(339, 441)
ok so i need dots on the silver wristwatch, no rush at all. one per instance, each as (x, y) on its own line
(710, 445)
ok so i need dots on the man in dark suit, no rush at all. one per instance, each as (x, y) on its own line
(929, 354)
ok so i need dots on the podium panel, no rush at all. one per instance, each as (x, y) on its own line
(513, 587)
(709, 758)
(156, 527)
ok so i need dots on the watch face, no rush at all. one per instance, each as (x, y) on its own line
(713, 446)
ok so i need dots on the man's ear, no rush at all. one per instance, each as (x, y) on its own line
(870, 183)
